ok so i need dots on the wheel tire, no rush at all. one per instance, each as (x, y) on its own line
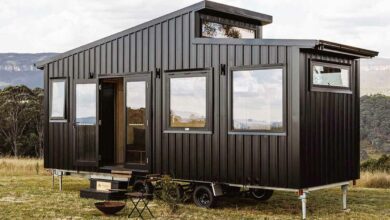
(203, 196)
(142, 186)
(261, 194)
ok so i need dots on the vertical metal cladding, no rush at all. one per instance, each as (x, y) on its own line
(266, 160)
(329, 127)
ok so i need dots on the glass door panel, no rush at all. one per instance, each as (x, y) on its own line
(136, 119)
(85, 124)
(86, 104)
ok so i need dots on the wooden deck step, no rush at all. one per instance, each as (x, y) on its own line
(121, 172)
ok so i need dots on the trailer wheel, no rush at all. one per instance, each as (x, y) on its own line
(203, 196)
(261, 194)
(143, 186)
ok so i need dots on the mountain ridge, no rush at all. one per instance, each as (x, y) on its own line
(18, 68)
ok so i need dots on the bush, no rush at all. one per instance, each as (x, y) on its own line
(169, 193)
(382, 164)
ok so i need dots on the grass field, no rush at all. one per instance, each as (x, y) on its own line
(26, 193)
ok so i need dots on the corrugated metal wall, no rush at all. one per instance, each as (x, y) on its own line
(246, 159)
(329, 128)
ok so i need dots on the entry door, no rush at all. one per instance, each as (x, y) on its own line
(85, 123)
(138, 122)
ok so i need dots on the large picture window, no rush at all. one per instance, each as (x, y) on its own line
(187, 95)
(330, 77)
(257, 99)
(58, 99)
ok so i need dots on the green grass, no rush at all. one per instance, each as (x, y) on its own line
(30, 195)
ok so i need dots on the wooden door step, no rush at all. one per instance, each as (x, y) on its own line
(121, 172)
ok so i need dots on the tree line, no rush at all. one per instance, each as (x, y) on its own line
(375, 122)
(21, 127)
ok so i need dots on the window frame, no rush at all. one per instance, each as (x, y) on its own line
(185, 73)
(324, 88)
(66, 104)
(200, 18)
(231, 129)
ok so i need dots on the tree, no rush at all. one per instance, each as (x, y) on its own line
(15, 114)
(37, 120)
(211, 29)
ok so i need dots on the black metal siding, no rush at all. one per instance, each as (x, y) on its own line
(266, 160)
(329, 127)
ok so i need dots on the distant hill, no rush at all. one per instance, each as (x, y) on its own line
(17, 68)
(375, 125)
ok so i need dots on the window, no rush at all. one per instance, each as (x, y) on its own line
(329, 75)
(86, 104)
(214, 27)
(188, 94)
(257, 97)
(58, 99)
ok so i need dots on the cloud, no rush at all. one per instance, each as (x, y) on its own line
(58, 26)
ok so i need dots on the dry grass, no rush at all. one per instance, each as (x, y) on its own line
(374, 180)
(26, 195)
(11, 166)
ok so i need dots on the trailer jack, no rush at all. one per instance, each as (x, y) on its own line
(59, 174)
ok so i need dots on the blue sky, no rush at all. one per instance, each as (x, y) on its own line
(58, 26)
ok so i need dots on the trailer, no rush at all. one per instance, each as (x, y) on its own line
(201, 96)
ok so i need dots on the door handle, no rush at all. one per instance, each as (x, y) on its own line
(75, 123)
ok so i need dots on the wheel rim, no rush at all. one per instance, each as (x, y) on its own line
(203, 197)
(258, 193)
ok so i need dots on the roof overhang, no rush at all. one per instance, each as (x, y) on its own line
(259, 18)
(345, 49)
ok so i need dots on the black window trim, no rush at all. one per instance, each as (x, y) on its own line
(331, 89)
(66, 104)
(183, 73)
(231, 129)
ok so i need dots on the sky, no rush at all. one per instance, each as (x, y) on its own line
(60, 25)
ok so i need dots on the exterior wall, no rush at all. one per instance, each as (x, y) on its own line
(329, 127)
(266, 160)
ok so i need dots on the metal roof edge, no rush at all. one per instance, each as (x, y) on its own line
(345, 49)
(263, 18)
(301, 43)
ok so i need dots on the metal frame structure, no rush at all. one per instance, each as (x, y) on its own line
(320, 145)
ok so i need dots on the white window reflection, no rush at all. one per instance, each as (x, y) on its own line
(135, 96)
(330, 76)
(258, 100)
(188, 102)
(86, 104)
(57, 99)
(217, 30)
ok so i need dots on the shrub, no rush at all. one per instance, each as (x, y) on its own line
(168, 193)
(382, 164)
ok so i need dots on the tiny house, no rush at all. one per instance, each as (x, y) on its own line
(200, 95)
